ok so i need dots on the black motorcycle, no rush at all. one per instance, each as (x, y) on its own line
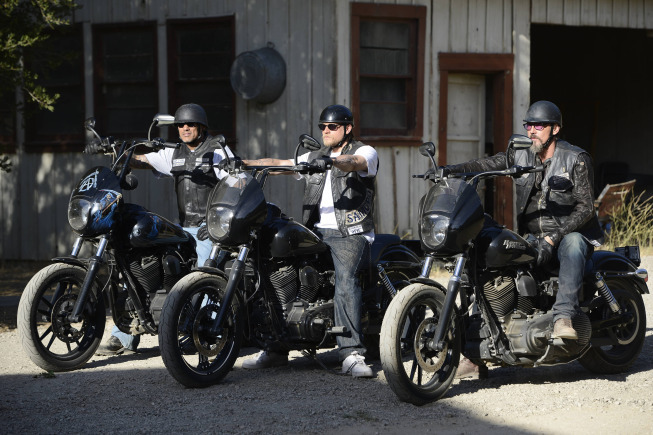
(276, 285)
(137, 257)
(503, 316)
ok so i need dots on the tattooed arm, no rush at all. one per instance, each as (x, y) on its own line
(350, 162)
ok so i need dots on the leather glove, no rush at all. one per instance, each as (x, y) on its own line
(544, 251)
(233, 163)
(203, 233)
(322, 163)
(93, 147)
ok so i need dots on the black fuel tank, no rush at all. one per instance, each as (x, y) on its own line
(283, 237)
(508, 248)
(147, 229)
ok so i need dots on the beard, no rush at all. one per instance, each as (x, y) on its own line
(537, 147)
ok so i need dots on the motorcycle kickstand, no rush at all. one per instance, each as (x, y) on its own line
(312, 354)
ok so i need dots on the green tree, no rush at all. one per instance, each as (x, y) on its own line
(25, 25)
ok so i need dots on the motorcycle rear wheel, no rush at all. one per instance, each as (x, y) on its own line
(193, 356)
(414, 372)
(51, 341)
(618, 358)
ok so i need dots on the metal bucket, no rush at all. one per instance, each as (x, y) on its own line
(259, 75)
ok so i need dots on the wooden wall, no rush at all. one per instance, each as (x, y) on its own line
(313, 38)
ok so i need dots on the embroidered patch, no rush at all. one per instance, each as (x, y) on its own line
(178, 162)
(355, 229)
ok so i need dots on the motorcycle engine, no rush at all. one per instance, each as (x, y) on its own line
(300, 289)
(524, 313)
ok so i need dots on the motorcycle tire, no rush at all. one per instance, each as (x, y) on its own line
(192, 355)
(50, 340)
(415, 373)
(618, 358)
(399, 278)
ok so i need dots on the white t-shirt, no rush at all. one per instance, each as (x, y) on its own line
(327, 212)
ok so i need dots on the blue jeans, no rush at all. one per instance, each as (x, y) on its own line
(203, 247)
(350, 255)
(573, 252)
(128, 341)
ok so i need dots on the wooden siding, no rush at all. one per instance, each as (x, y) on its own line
(313, 38)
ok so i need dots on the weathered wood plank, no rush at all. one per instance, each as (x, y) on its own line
(588, 12)
(571, 12)
(458, 27)
(604, 13)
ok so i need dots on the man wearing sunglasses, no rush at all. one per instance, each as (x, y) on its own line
(194, 168)
(555, 206)
(339, 206)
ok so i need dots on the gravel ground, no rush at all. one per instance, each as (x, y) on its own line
(135, 394)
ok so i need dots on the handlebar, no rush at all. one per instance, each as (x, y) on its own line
(513, 171)
(107, 145)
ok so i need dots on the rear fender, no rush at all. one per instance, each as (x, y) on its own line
(612, 264)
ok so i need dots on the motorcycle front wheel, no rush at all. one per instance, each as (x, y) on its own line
(629, 337)
(416, 373)
(50, 340)
(193, 355)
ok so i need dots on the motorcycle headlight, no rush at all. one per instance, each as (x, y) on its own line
(79, 210)
(434, 230)
(218, 221)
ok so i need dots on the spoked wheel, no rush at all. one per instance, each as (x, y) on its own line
(415, 372)
(51, 341)
(195, 356)
(629, 335)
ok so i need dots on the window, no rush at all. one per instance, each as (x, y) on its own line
(126, 96)
(387, 68)
(201, 53)
(60, 71)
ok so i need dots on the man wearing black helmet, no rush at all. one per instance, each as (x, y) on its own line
(194, 169)
(339, 206)
(555, 206)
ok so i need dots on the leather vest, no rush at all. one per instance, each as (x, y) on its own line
(353, 195)
(194, 179)
(557, 191)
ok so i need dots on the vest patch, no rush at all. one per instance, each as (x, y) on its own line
(178, 162)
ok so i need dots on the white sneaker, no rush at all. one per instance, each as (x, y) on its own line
(355, 364)
(264, 360)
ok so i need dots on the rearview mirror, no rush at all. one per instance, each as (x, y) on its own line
(519, 141)
(89, 123)
(427, 149)
(163, 119)
(309, 142)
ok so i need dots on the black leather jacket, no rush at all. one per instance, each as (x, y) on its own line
(353, 195)
(565, 195)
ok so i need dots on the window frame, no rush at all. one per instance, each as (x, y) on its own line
(100, 106)
(415, 15)
(36, 142)
(174, 99)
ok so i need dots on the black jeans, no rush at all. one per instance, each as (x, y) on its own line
(350, 255)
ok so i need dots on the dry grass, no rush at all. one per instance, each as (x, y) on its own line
(632, 224)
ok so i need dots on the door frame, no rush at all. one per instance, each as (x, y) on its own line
(499, 67)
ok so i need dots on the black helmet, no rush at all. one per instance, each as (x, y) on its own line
(191, 113)
(545, 112)
(337, 114)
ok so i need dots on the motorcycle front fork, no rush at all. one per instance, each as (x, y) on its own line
(236, 274)
(94, 264)
(453, 288)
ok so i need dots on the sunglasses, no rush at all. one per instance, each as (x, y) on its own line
(538, 127)
(190, 124)
(332, 127)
